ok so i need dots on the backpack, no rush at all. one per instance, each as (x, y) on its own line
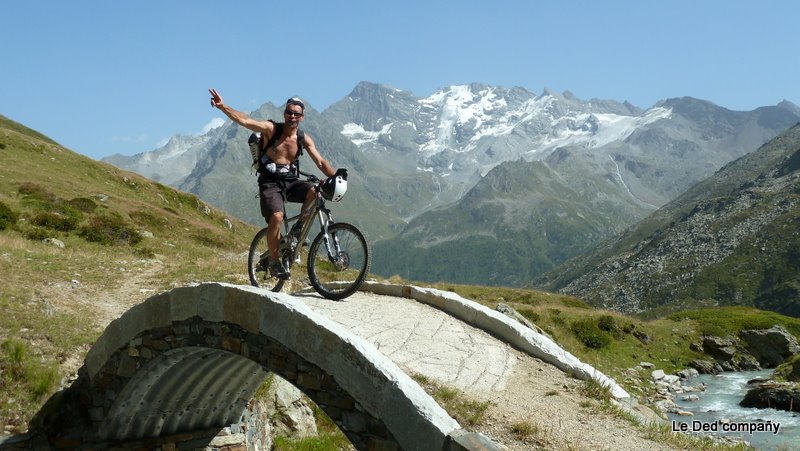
(265, 166)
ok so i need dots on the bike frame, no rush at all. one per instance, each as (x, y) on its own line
(322, 213)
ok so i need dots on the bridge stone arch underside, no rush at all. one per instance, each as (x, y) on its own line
(193, 357)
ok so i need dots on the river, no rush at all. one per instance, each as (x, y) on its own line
(718, 411)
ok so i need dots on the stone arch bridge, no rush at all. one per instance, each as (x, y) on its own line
(192, 359)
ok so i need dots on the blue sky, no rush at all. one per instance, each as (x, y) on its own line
(105, 77)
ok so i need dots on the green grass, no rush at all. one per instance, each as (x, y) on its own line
(664, 434)
(25, 380)
(115, 225)
(789, 371)
(732, 320)
(462, 408)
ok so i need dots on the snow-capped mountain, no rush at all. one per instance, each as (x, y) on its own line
(469, 118)
(469, 128)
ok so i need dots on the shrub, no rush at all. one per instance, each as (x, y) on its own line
(109, 230)
(8, 217)
(608, 323)
(83, 204)
(593, 389)
(55, 221)
(144, 252)
(36, 233)
(523, 430)
(149, 219)
(575, 303)
(556, 318)
(36, 191)
(588, 332)
(530, 315)
(16, 352)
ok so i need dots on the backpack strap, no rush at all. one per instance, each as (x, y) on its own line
(301, 140)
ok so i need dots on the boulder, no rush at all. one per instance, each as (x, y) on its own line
(706, 367)
(513, 314)
(747, 362)
(729, 353)
(773, 396)
(771, 347)
(722, 349)
(290, 413)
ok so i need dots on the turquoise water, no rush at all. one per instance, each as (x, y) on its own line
(720, 401)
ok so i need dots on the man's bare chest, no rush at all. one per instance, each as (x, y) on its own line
(284, 151)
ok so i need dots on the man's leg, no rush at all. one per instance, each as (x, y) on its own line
(272, 210)
(274, 234)
(308, 203)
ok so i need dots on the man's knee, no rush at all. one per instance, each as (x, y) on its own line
(275, 218)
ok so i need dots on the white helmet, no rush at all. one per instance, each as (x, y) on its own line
(333, 188)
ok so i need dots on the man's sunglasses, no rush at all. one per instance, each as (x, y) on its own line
(292, 113)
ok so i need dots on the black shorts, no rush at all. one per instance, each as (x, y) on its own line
(272, 195)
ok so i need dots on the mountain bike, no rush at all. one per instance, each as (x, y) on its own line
(337, 260)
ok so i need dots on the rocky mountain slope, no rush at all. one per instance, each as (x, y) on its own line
(732, 239)
(424, 164)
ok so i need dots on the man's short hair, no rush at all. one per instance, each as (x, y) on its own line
(296, 101)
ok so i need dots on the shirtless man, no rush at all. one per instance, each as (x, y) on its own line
(274, 183)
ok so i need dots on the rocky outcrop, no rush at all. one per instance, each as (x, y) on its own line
(752, 350)
(290, 414)
(513, 314)
(706, 367)
(773, 395)
(729, 353)
(770, 346)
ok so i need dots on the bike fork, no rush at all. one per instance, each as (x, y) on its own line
(326, 236)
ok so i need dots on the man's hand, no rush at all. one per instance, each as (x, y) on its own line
(216, 99)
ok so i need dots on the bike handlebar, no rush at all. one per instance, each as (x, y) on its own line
(310, 177)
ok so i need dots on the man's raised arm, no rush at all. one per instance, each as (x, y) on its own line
(237, 116)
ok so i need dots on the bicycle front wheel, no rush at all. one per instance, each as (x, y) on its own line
(257, 267)
(338, 262)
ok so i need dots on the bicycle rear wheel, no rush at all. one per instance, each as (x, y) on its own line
(339, 264)
(257, 268)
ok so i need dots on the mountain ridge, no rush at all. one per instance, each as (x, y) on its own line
(410, 156)
(740, 224)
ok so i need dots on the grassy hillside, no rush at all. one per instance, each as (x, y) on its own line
(121, 234)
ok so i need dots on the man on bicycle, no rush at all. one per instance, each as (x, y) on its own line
(277, 170)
